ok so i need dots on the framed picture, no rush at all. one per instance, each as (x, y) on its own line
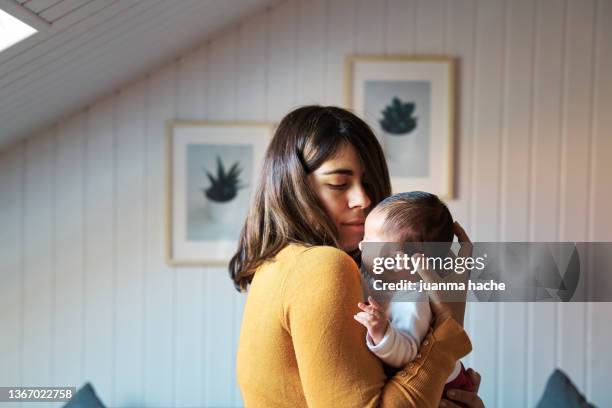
(212, 170)
(408, 102)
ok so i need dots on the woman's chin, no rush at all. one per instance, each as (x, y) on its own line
(350, 245)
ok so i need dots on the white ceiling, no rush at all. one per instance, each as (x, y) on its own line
(87, 48)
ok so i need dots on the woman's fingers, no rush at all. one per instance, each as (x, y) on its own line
(471, 399)
(466, 244)
(448, 404)
(462, 236)
(475, 377)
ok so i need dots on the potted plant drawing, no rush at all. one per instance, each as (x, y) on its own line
(397, 123)
(221, 195)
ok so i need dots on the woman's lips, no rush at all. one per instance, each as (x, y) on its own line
(353, 225)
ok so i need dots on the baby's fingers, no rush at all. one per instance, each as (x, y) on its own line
(368, 317)
(369, 309)
(371, 313)
(360, 317)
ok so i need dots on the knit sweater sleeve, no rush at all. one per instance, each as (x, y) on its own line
(335, 367)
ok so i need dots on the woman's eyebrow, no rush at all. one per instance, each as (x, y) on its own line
(347, 172)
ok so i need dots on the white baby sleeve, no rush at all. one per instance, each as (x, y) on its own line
(395, 349)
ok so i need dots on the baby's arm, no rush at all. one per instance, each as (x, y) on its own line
(392, 346)
(396, 349)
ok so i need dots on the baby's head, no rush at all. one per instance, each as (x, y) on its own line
(415, 216)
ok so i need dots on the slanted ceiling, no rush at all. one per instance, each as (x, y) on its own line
(85, 49)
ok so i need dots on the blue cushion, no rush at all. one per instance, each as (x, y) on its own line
(85, 398)
(561, 393)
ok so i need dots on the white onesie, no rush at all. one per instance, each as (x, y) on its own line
(409, 323)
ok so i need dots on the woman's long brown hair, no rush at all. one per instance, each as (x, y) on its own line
(284, 209)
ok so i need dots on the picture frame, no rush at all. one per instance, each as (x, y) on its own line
(212, 169)
(408, 101)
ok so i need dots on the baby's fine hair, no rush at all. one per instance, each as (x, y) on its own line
(416, 216)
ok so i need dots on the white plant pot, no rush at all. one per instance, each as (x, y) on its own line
(221, 213)
(398, 147)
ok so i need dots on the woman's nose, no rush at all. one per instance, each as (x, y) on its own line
(359, 198)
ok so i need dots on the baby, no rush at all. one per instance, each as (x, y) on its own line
(395, 333)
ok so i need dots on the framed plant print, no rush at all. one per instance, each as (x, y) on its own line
(212, 170)
(408, 101)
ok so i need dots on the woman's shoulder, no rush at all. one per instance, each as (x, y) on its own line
(317, 255)
(321, 264)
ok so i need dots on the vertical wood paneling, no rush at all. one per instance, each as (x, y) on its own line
(600, 193)
(340, 43)
(202, 80)
(85, 204)
(67, 340)
(546, 147)
(460, 43)
(516, 129)
(577, 111)
(576, 138)
(220, 308)
(189, 334)
(252, 67)
(222, 87)
(601, 190)
(488, 108)
(485, 192)
(189, 100)
(544, 180)
(401, 28)
(430, 26)
(283, 60)
(12, 209)
(370, 27)
(515, 188)
(160, 279)
(38, 273)
(99, 249)
(129, 245)
(311, 44)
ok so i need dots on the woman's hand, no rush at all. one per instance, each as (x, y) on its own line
(374, 318)
(460, 398)
(449, 304)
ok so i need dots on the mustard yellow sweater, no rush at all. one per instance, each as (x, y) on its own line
(300, 346)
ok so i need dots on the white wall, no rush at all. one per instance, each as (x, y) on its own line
(85, 293)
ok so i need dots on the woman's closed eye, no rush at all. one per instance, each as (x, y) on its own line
(341, 186)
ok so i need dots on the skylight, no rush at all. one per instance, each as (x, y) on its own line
(12, 30)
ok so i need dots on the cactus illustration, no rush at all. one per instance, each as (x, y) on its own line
(398, 117)
(224, 186)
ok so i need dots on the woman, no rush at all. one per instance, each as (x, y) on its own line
(299, 344)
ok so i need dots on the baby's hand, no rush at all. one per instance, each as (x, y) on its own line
(373, 318)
